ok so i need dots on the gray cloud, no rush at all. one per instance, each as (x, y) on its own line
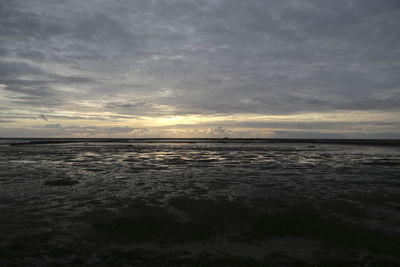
(178, 57)
(58, 129)
(138, 108)
(335, 135)
(56, 126)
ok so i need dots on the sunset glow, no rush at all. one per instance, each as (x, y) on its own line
(199, 69)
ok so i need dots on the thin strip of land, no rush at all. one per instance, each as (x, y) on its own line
(43, 141)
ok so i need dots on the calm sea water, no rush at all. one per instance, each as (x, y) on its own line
(50, 190)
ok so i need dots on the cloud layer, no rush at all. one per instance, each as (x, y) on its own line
(126, 64)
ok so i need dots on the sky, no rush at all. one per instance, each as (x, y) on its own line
(200, 68)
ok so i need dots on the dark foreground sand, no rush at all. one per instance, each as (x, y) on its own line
(199, 205)
(205, 232)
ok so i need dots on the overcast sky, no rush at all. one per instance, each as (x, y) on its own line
(200, 68)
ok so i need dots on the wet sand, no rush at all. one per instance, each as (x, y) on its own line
(199, 204)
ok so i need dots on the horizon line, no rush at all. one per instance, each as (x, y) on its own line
(223, 140)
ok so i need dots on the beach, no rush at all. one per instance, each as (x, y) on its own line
(215, 202)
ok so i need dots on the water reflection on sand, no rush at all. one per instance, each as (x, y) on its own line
(213, 198)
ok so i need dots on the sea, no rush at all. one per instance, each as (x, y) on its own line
(199, 202)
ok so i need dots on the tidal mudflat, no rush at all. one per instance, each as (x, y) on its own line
(199, 204)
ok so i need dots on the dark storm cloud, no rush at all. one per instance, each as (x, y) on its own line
(176, 57)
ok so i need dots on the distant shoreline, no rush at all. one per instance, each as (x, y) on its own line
(41, 141)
